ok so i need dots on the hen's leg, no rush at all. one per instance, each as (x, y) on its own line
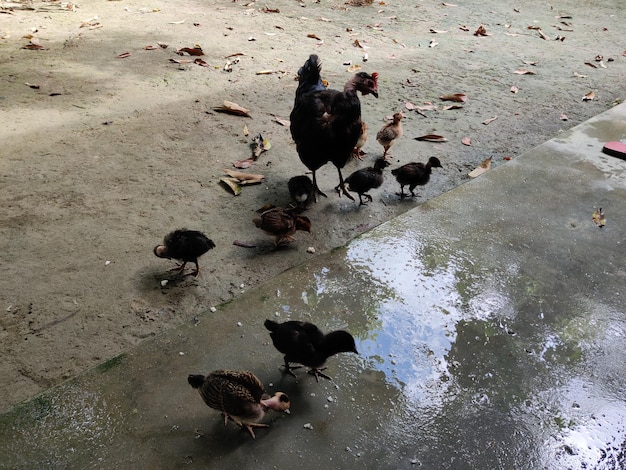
(316, 189)
(342, 185)
(318, 373)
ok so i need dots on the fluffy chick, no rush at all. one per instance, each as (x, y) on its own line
(239, 395)
(304, 343)
(365, 179)
(390, 132)
(301, 191)
(185, 246)
(282, 224)
(414, 174)
(358, 152)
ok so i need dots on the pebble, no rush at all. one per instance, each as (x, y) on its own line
(308, 426)
(310, 249)
(330, 399)
(181, 353)
(239, 323)
(213, 309)
(164, 282)
(107, 262)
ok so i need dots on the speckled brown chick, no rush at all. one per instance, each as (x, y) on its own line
(185, 246)
(304, 343)
(414, 174)
(390, 133)
(282, 224)
(239, 395)
(365, 179)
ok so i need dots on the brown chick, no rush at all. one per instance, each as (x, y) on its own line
(390, 132)
(282, 224)
(358, 152)
(239, 395)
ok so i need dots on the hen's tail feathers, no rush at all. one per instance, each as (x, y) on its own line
(309, 76)
(271, 325)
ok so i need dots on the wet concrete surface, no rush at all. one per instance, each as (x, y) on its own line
(490, 323)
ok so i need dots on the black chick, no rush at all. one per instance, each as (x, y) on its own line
(367, 178)
(326, 124)
(414, 174)
(239, 395)
(186, 246)
(301, 190)
(304, 343)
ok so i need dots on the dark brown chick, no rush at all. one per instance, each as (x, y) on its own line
(390, 132)
(301, 191)
(304, 343)
(365, 179)
(282, 224)
(358, 152)
(414, 174)
(239, 395)
(185, 246)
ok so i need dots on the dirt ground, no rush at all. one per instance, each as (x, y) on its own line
(102, 155)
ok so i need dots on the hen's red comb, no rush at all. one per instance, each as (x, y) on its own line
(375, 76)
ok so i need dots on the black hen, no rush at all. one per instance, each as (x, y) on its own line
(326, 124)
(186, 246)
(368, 178)
(414, 174)
(303, 343)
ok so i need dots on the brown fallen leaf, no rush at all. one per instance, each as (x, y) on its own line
(589, 96)
(266, 9)
(244, 244)
(260, 145)
(463, 28)
(150, 48)
(234, 54)
(354, 68)
(232, 184)
(533, 27)
(265, 72)
(163, 45)
(579, 75)
(232, 108)
(431, 138)
(591, 64)
(598, 218)
(484, 166)
(282, 122)
(314, 36)
(530, 62)
(452, 106)
(466, 141)
(181, 61)
(34, 47)
(244, 178)
(448, 4)
(246, 132)
(32, 85)
(486, 122)
(525, 72)
(243, 164)
(201, 63)
(195, 51)
(457, 97)
(481, 31)
(563, 117)
(437, 31)
(543, 35)
(123, 55)
(514, 89)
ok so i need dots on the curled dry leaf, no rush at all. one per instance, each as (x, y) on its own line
(514, 89)
(466, 141)
(481, 31)
(591, 64)
(32, 85)
(260, 145)
(437, 31)
(530, 62)
(123, 55)
(33, 47)
(354, 68)
(431, 138)
(246, 132)
(543, 35)
(486, 122)
(195, 51)
(232, 108)
(598, 218)
(265, 72)
(524, 72)
(243, 164)
(589, 96)
(563, 117)
(181, 61)
(266, 9)
(150, 48)
(408, 105)
(201, 63)
(457, 97)
(484, 166)
(314, 36)
(244, 244)
(533, 27)
(163, 45)
(232, 184)
(579, 75)
(452, 106)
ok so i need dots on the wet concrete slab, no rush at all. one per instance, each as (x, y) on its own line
(490, 323)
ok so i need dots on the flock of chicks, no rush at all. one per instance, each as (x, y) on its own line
(326, 126)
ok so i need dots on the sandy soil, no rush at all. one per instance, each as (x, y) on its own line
(108, 154)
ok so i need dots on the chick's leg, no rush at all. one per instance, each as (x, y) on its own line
(289, 368)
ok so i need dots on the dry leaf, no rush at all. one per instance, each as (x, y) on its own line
(428, 107)
(481, 31)
(265, 72)
(579, 75)
(123, 55)
(246, 132)
(163, 45)
(543, 35)
(563, 117)
(598, 218)
(245, 178)
(533, 27)
(591, 64)
(282, 122)
(490, 120)
(514, 89)
(260, 145)
(525, 72)
(33, 46)
(196, 51)
(354, 68)
(530, 62)
(181, 61)
(201, 63)
(176, 22)
(448, 4)
(466, 141)
(244, 244)
(433, 43)
(269, 10)
(484, 166)
(150, 48)
(452, 106)
(410, 106)
(437, 31)
(314, 36)
(432, 138)
(243, 164)
(232, 108)
(232, 184)
(589, 96)
(463, 28)
(234, 54)
(457, 97)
